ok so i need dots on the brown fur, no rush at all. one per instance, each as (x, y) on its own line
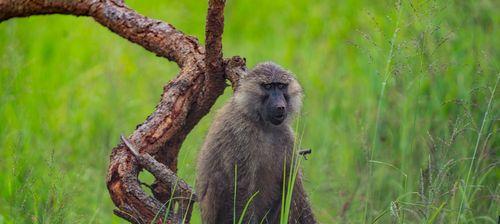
(240, 137)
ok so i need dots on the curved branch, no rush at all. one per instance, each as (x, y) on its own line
(185, 100)
(161, 136)
(156, 36)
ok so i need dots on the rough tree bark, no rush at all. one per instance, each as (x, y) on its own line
(155, 144)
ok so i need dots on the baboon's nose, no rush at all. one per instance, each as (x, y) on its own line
(279, 114)
(279, 111)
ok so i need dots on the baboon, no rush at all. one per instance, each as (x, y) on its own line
(251, 141)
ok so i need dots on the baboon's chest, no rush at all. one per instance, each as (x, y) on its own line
(272, 159)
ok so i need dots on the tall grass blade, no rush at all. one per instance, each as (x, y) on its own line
(243, 213)
(379, 106)
(234, 194)
(436, 213)
(479, 135)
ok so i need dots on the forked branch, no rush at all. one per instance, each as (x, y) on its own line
(185, 100)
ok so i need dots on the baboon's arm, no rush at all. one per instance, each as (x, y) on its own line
(209, 202)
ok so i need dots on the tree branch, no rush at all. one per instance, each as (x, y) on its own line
(213, 35)
(156, 36)
(185, 100)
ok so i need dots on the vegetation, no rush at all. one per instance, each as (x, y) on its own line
(401, 106)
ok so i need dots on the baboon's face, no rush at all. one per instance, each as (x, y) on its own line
(274, 102)
(269, 94)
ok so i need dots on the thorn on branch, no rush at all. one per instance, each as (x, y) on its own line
(129, 145)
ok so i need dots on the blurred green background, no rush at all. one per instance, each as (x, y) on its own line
(400, 106)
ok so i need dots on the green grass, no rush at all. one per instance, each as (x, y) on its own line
(377, 105)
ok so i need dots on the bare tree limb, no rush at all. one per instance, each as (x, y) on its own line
(213, 34)
(155, 144)
(156, 36)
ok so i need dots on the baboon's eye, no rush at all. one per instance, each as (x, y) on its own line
(281, 86)
(267, 86)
